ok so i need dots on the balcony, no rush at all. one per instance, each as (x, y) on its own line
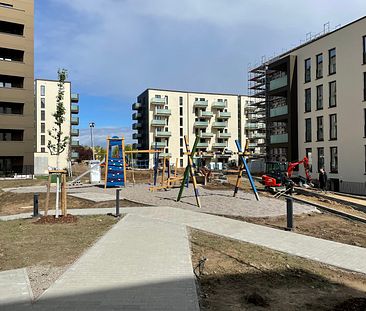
(136, 135)
(74, 98)
(254, 126)
(74, 109)
(257, 135)
(163, 112)
(200, 104)
(165, 155)
(74, 120)
(202, 145)
(158, 101)
(74, 155)
(223, 135)
(253, 145)
(224, 115)
(279, 111)
(205, 114)
(136, 116)
(136, 146)
(278, 83)
(206, 135)
(136, 106)
(201, 124)
(218, 105)
(74, 143)
(163, 134)
(219, 145)
(158, 123)
(279, 139)
(75, 132)
(219, 125)
(159, 145)
(136, 126)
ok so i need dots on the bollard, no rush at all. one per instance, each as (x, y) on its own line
(118, 191)
(35, 205)
(290, 214)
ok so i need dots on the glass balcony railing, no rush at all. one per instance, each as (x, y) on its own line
(224, 135)
(254, 126)
(279, 139)
(74, 143)
(136, 116)
(200, 104)
(163, 134)
(159, 145)
(219, 145)
(136, 126)
(224, 115)
(158, 122)
(136, 106)
(202, 145)
(74, 120)
(278, 111)
(136, 135)
(165, 155)
(278, 83)
(74, 108)
(218, 105)
(158, 101)
(206, 135)
(74, 98)
(206, 114)
(219, 124)
(75, 155)
(201, 124)
(163, 112)
(75, 132)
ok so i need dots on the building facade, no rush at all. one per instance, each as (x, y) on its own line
(315, 103)
(16, 87)
(46, 92)
(164, 117)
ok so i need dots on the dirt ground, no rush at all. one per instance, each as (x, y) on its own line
(242, 276)
(47, 250)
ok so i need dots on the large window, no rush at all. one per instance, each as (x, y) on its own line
(319, 97)
(333, 159)
(332, 94)
(320, 129)
(332, 61)
(307, 130)
(333, 127)
(320, 158)
(11, 108)
(364, 49)
(307, 100)
(43, 90)
(43, 127)
(11, 135)
(319, 66)
(43, 103)
(43, 115)
(308, 70)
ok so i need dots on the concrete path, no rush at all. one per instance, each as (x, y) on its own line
(140, 264)
(15, 290)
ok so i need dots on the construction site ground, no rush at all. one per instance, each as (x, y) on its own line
(243, 276)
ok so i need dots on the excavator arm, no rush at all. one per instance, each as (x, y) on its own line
(293, 165)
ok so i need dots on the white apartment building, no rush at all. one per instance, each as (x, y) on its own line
(164, 117)
(46, 92)
(315, 98)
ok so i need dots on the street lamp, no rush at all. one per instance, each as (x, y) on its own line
(92, 125)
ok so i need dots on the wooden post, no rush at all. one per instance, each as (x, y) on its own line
(190, 161)
(47, 203)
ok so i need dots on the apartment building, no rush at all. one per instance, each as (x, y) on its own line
(46, 92)
(16, 87)
(315, 102)
(164, 117)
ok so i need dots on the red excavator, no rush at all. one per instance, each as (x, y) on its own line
(278, 172)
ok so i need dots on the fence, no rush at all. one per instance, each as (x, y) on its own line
(357, 188)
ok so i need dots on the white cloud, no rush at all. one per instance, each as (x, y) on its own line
(100, 135)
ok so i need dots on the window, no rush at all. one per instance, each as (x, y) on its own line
(365, 159)
(320, 158)
(309, 155)
(333, 159)
(43, 103)
(11, 135)
(320, 129)
(332, 94)
(181, 162)
(307, 100)
(43, 140)
(43, 115)
(43, 127)
(319, 97)
(319, 66)
(364, 49)
(181, 121)
(333, 127)
(364, 122)
(11, 108)
(181, 132)
(180, 101)
(181, 142)
(43, 149)
(181, 152)
(307, 130)
(181, 111)
(43, 90)
(332, 61)
(364, 86)
(308, 70)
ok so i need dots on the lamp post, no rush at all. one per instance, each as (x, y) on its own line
(92, 125)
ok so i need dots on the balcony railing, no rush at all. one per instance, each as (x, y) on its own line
(224, 115)
(165, 155)
(136, 116)
(163, 112)
(278, 111)
(200, 104)
(206, 114)
(202, 145)
(74, 108)
(224, 135)
(163, 134)
(74, 155)
(218, 105)
(136, 126)
(136, 106)
(278, 83)
(75, 132)
(201, 124)
(159, 145)
(219, 145)
(74, 143)
(254, 126)
(257, 135)
(279, 139)
(158, 122)
(136, 146)
(74, 120)
(136, 135)
(158, 101)
(206, 135)
(219, 124)
(74, 98)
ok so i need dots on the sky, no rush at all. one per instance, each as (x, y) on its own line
(115, 49)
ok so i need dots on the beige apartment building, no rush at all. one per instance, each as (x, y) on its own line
(315, 101)
(46, 92)
(16, 87)
(164, 117)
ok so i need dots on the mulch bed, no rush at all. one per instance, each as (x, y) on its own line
(49, 220)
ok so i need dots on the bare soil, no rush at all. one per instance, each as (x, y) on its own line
(49, 220)
(242, 276)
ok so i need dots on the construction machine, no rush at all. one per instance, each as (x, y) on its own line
(278, 173)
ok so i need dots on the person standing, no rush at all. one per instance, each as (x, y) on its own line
(323, 178)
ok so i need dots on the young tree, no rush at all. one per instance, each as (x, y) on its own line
(60, 143)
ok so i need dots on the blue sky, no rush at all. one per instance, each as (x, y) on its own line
(115, 49)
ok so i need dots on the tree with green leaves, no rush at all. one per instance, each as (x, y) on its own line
(60, 142)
